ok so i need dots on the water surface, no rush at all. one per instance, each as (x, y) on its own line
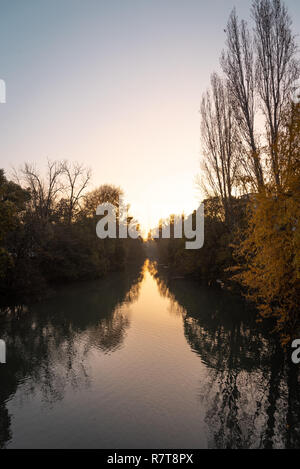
(138, 361)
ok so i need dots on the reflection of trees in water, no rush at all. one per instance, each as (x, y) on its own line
(251, 389)
(5, 433)
(48, 343)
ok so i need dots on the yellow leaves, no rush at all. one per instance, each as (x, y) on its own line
(270, 246)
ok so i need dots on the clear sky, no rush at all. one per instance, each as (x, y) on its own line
(116, 84)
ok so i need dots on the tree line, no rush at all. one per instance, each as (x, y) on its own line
(250, 168)
(48, 230)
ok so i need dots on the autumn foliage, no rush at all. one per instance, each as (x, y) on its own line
(270, 249)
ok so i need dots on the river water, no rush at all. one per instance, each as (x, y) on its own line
(139, 361)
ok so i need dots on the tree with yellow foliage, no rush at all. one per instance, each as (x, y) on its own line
(270, 249)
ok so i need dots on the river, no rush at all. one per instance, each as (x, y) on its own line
(139, 361)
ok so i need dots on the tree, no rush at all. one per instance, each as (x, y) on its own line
(13, 201)
(107, 193)
(238, 64)
(43, 191)
(269, 250)
(276, 70)
(77, 178)
(220, 142)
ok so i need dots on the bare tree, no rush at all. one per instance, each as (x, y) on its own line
(220, 142)
(238, 65)
(276, 68)
(44, 191)
(77, 177)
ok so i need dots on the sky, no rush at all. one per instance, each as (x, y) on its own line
(117, 86)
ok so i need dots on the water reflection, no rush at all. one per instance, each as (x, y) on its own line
(251, 393)
(48, 343)
(94, 362)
